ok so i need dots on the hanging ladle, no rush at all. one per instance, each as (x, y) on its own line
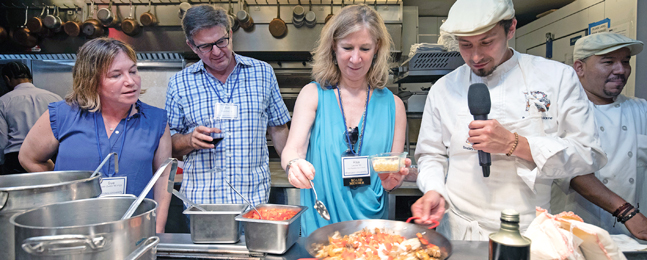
(131, 210)
(319, 206)
(187, 200)
(96, 172)
(245, 199)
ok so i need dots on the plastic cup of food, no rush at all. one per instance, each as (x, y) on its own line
(385, 163)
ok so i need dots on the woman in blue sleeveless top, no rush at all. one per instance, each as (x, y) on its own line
(103, 115)
(346, 112)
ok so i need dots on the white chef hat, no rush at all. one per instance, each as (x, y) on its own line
(603, 43)
(474, 17)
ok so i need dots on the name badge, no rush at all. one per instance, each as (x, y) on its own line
(113, 186)
(227, 111)
(355, 171)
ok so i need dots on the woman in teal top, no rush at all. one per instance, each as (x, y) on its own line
(346, 112)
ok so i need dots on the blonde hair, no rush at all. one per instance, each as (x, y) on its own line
(349, 20)
(92, 63)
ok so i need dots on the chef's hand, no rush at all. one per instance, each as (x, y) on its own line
(201, 137)
(637, 225)
(390, 181)
(490, 136)
(300, 174)
(430, 206)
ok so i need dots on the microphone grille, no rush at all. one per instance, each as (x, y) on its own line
(478, 99)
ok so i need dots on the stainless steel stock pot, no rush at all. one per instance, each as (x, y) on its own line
(20, 192)
(84, 229)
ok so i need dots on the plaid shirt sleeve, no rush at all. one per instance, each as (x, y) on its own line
(277, 111)
(173, 109)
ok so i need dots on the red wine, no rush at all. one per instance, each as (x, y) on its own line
(216, 141)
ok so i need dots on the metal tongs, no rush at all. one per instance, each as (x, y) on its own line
(187, 200)
(319, 206)
(245, 199)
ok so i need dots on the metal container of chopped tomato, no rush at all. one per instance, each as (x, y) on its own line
(216, 225)
(277, 229)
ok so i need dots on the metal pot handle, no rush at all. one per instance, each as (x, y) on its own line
(4, 197)
(148, 245)
(52, 244)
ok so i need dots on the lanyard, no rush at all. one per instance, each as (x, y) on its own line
(96, 129)
(361, 134)
(216, 89)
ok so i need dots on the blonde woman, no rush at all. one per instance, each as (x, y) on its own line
(102, 115)
(345, 113)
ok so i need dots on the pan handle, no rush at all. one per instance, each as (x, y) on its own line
(53, 244)
(434, 224)
(148, 245)
(4, 197)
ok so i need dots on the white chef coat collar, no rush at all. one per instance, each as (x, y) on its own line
(619, 100)
(500, 70)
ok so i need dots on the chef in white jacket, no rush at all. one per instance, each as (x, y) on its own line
(602, 65)
(540, 128)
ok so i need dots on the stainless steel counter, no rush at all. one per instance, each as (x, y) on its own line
(462, 250)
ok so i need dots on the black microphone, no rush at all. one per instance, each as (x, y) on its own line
(478, 100)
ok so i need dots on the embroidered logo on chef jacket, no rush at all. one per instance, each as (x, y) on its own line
(544, 103)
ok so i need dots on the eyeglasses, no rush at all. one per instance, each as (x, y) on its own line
(207, 47)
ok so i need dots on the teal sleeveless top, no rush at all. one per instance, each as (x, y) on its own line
(328, 143)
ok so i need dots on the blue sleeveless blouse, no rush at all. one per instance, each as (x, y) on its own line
(76, 132)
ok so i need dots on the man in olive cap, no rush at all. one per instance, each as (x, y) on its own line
(540, 129)
(602, 65)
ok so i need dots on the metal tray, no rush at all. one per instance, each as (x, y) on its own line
(271, 236)
(407, 230)
(216, 225)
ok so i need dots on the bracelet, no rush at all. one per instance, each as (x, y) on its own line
(514, 146)
(629, 216)
(287, 167)
(621, 209)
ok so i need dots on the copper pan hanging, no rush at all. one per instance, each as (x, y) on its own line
(278, 29)
(72, 27)
(130, 26)
(35, 24)
(148, 18)
(23, 36)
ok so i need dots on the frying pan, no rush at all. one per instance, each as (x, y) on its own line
(130, 26)
(92, 28)
(235, 24)
(23, 36)
(278, 28)
(330, 14)
(298, 13)
(106, 16)
(53, 21)
(148, 18)
(407, 230)
(72, 27)
(311, 17)
(244, 19)
(35, 24)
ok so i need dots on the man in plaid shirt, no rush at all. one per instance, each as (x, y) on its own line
(243, 95)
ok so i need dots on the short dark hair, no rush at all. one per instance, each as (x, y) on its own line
(201, 17)
(16, 70)
(506, 25)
